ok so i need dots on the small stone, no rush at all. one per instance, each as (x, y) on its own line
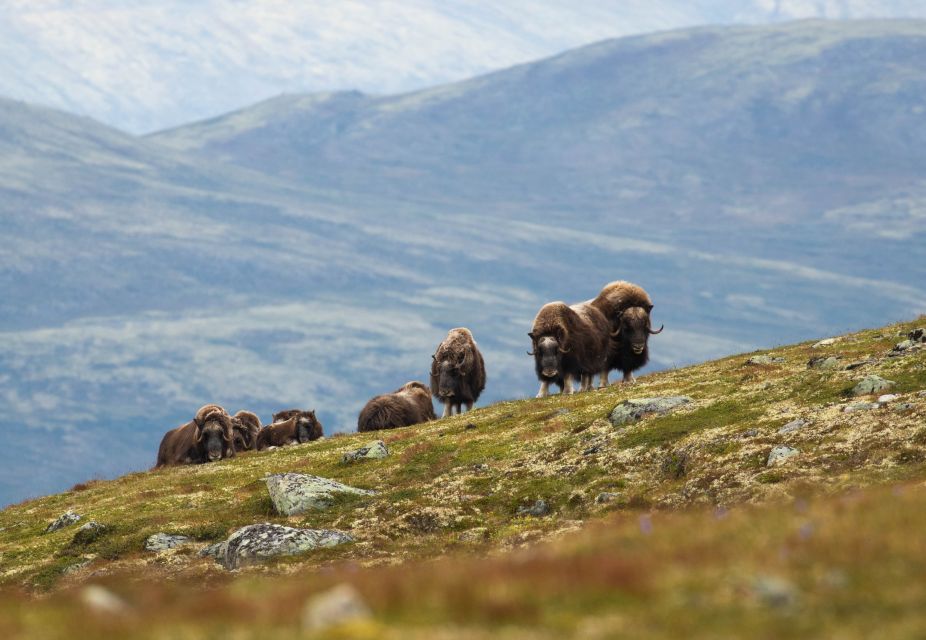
(592, 450)
(164, 541)
(794, 425)
(826, 363)
(295, 493)
(214, 551)
(824, 343)
(536, 510)
(903, 406)
(871, 384)
(860, 406)
(375, 450)
(887, 397)
(74, 568)
(765, 360)
(906, 345)
(337, 606)
(749, 433)
(636, 409)
(103, 600)
(469, 426)
(606, 496)
(480, 467)
(858, 364)
(66, 519)
(918, 334)
(90, 532)
(774, 592)
(780, 454)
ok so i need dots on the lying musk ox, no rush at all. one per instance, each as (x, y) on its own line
(569, 342)
(627, 308)
(407, 405)
(245, 427)
(206, 438)
(458, 372)
(293, 426)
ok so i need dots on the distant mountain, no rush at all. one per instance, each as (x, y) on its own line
(143, 65)
(313, 250)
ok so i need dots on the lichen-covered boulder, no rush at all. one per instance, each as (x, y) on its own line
(765, 360)
(871, 384)
(90, 532)
(66, 519)
(826, 363)
(295, 493)
(257, 542)
(164, 541)
(779, 454)
(635, 409)
(375, 450)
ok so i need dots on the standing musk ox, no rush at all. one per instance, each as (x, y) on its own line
(407, 405)
(569, 342)
(245, 427)
(627, 308)
(207, 438)
(458, 372)
(293, 426)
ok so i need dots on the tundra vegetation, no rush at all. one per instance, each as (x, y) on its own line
(680, 524)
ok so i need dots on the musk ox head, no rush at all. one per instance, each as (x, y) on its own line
(214, 433)
(634, 329)
(548, 352)
(246, 426)
(307, 427)
(449, 368)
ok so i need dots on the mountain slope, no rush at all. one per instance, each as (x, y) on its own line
(144, 66)
(455, 486)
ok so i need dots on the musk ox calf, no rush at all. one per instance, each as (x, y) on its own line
(206, 438)
(245, 428)
(569, 342)
(458, 372)
(293, 426)
(407, 405)
(627, 308)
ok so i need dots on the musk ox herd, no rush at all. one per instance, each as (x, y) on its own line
(571, 345)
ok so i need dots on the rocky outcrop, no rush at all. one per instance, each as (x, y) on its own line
(66, 519)
(164, 541)
(375, 450)
(870, 385)
(295, 493)
(636, 409)
(258, 542)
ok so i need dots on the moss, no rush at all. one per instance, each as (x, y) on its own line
(665, 430)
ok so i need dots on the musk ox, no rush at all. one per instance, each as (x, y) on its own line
(458, 372)
(409, 404)
(569, 342)
(293, 426)
(245, 427)
(206, 438)
(627, 308)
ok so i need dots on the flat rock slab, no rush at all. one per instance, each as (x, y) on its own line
(765, 360)
(635, 409)
(295, 493)
(257, 542)
(66, 519)
(164, 541)
(826, 363)
(375, 450)
(871, 384)
(794, 425)
(860, 406)
(779, 454)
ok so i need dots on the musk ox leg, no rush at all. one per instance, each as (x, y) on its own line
(603, 379)
(459, 408)
(544, 389)
(469, 406)
(567, 385)
(448, 409)
(628, 377)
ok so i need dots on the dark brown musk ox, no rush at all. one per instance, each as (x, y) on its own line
(458, 372)
(569, 342)
(245, 428)
(407, 405)
(292, 426)
(627, 308)
(206, 438)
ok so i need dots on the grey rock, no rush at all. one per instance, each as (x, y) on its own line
(858, 364)
(749, 433)
(906, 345)
(336, 606)
(775, 592)
(74, 568)
(595, 448)
(887, 397)
(765, 360)
(794, 425)
(480, 467)
(860, 406)
(918, 335)
(903, 406)
(780, 454)
(214, 551)
(295, 493)
(606, 496)
(635, 409)
(257, 542)
(375, 450)
(536, 510)
(66, 519)
(164, 541)
(826, 363)
(88, 533)
(824, 343)
(871, 384)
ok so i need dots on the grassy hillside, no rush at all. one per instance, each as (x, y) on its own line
(676, 533)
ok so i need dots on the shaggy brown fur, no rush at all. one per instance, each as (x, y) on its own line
(246, 426)
(627, 307)
(568, 342)
(407, 405)
(207, 437)
(293, 426)
(458, 372)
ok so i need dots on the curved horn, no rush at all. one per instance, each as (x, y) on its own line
(616, 332)
(466, 360)
(198, 436)
(565, 340)
(659, 330)
(531, 353)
